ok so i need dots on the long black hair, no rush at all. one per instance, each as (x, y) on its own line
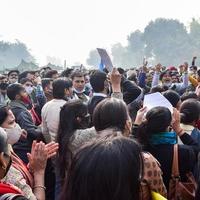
(110, 113)
(110, 167)
(158, 119)
(72, 117)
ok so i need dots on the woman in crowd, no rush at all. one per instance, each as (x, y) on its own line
(112, 114)
(155, 136)
(29, 179)
(190, 112)
(72, 133)
(107, 168)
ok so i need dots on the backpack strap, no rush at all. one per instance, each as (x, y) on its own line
(175, 164)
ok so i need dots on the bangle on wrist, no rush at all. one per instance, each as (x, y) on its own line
(39, 186)
(179, 132)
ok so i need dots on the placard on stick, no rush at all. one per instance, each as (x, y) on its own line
(105, 59)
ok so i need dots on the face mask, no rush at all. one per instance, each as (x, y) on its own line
(14, 134)
(88, 85)
(79, 92)
(29, 89)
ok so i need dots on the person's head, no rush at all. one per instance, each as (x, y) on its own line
(158, 120)
(189, 95)
(112, 113)
(27, 74)
(165, 78)
(5, 159)
(13, 76)
(7, 122)
(149, 78)
(175, 78)
(103, 169)
(157, 88)
(66, 73)
(73, 116)
(3, 79)
(16, 92)
(27, 84)
(53, 74)
(3, 88)
(174, 98)
(98, 81)
(62, 88)
(7, 117)
(78, 81)
(190, 111)
(47, 85)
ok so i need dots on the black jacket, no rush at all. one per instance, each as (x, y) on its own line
(187, 155)
(24, 119)
(93, 103)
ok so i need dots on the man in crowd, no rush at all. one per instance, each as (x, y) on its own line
(47, 88)
(78, 81)
(18, 97)
(13, 76)
(62, 90)
(53, 74)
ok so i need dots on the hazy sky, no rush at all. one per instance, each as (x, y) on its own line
(69, 29)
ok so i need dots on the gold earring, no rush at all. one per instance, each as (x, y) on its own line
(3, 168)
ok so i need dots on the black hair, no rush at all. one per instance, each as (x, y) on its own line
(97, 80)
(59, 86)
(189, 95)
(13, 90)
(3, 143)
(172, 96)
(77, 73)
(46, 82)
(66, 73)
(190, 111)
(3, 86)
(11, 71)
(110, 113)
(157, 88)
(158, 119)
(164, 73)
(68, 124)
(130, 91)
(3, 113)
(50, 73)
(106, 169)
(24, 80)
(25, 73)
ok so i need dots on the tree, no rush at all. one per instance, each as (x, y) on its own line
(93, 59)
(11, 54)
(167, 41)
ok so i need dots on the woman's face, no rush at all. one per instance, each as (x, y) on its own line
(9, 121)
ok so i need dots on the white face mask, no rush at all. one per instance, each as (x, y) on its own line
(29, 89)
(14, 134)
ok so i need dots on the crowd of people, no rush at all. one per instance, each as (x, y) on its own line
(85, 134)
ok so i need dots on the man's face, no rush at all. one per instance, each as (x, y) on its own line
(55, 76)
(79, 83)
(49, 88)
(166, 78)
(174, 79)
(31, 76)
(13, 77)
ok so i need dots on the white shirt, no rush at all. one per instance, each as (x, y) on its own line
(51, 118)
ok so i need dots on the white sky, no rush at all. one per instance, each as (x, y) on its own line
(69, 29)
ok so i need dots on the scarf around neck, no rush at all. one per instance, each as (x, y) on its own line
(163, 138)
